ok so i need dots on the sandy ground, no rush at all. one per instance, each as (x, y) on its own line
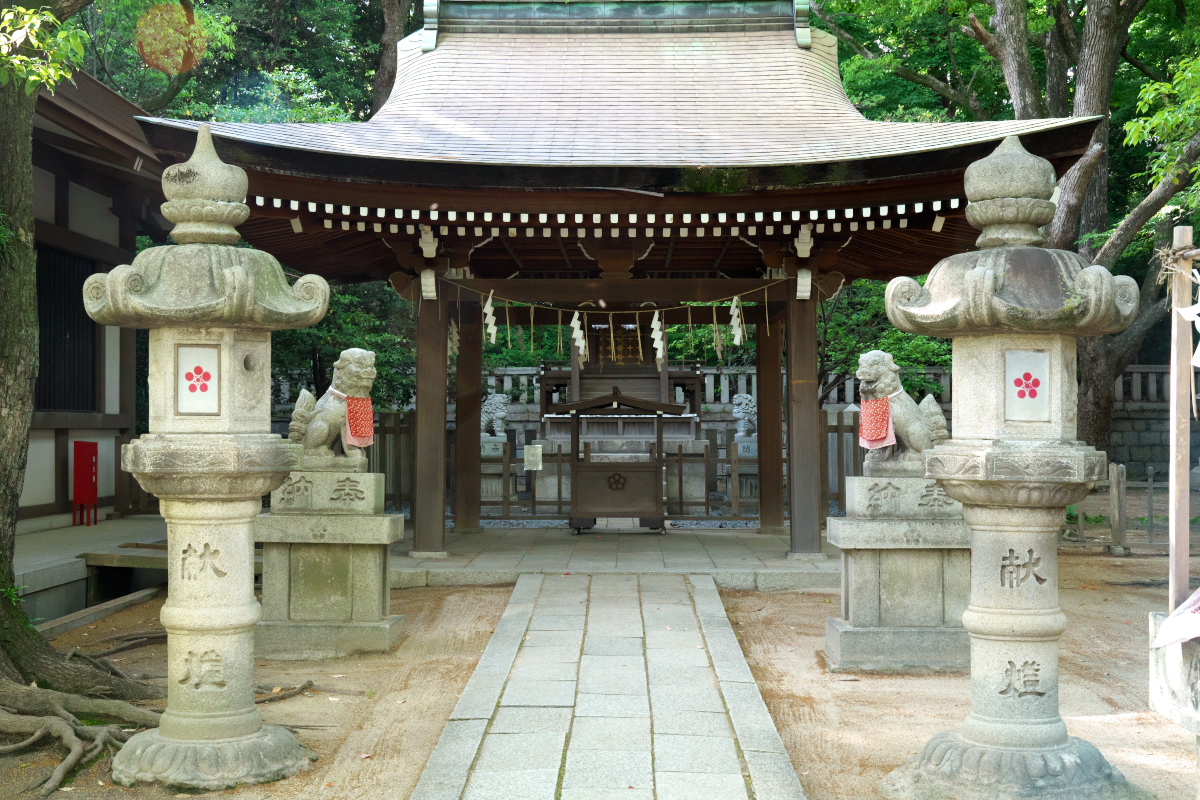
(844, 733)
(372, 720)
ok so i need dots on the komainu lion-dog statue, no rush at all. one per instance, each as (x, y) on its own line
(320, 425)
(918, 427)
(493, 414)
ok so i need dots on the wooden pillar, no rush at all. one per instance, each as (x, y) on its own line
(573, 395)
(469, 402)
(769, 365)
(664, 373)
(804, 484)
(429, 474)
(1179, 482)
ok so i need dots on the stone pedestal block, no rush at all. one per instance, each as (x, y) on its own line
(1173, 673)
(491, 476)
(325, 581)
(747, 448)
(906, 581)
(333, 493)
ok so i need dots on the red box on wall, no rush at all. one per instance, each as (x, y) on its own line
(87, 484)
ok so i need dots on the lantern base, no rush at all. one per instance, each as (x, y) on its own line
(953, 767)
(270, 754)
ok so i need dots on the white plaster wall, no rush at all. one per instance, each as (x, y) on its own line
(91, 215)
(39, 471)
(107, 442)
(112, 370)
(43, 195)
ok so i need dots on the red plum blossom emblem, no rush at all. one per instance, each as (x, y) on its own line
(1027, 386)
(198, 379)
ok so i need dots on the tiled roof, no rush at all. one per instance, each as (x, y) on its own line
(727, 99)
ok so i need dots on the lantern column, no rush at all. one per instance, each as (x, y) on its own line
(210, 457)
(1014, 310)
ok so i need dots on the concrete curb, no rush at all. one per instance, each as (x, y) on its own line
(760, 580)
(89, 615)
(771, 772)
(449, 766)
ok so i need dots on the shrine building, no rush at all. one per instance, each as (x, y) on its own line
(632, 161)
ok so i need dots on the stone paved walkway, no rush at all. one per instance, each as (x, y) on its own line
(596, 687)
(736, 559)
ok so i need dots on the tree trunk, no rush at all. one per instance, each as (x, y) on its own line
(1011, 25)
(24, 655)
(395, 16)
(19, 322)
(1097, 377)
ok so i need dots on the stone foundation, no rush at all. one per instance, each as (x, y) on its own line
(906, 578)
(325, 572)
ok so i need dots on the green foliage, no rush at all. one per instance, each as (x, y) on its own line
(924, 36)
(299, 61)
(696, 343)
(366, 315)
(112, 54)
(7, 236)
(35, 50)
(1171, 117)
(285, 95)
(855, 321)
(1088, 519)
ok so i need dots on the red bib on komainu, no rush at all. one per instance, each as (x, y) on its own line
(875, 424)
(360, 421)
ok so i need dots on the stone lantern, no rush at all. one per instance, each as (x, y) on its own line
(210, 458)
(1014, 310)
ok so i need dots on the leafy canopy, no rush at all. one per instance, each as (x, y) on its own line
(35, 49)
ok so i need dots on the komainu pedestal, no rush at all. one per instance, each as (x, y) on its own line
(325, 543)
(906, 578)
(1014, 311)
(325, 568)
(210, 458)
(906, 562)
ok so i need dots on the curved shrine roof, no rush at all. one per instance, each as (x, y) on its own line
(725, 98)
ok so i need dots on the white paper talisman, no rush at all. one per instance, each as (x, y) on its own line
(197, 379)
(1027, 385)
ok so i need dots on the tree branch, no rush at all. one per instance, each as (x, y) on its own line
(1142, 67)
(65, 9)
(1178, 180)
(1064, 22)
(1072, 191)
(967, 101)
(174, 87)
(979, 32)
(1009, 45)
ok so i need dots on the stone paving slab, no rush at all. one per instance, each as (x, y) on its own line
(666, 709)
(737, 559)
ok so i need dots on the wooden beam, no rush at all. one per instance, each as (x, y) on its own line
(769, 363)
(429, 475)
(467, 420)
(69, 241)
(663, 290)
(803, 427)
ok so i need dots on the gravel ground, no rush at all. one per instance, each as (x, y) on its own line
(846, 732)
(372, 720)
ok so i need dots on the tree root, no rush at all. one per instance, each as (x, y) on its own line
(32, 701)
(271, 698)
(70, 732)
(129, 641)
(99, 662)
